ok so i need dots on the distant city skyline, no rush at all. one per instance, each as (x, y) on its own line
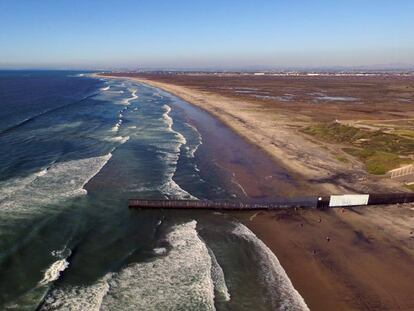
(205, 34)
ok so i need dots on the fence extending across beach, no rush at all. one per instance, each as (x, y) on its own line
(333, 201)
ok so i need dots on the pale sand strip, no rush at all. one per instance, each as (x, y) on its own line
(277, 135)
(367, 263)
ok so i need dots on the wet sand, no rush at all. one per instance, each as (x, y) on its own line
(366, 265)
(360, 259)
(253, 173)
(353, 260)
(276, 132)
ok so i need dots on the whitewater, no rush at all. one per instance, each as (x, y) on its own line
(68, 240)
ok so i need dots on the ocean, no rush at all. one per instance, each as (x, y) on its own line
(73, 149)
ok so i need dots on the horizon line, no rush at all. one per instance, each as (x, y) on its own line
(377, 67)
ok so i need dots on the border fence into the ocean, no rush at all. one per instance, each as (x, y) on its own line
(345, 200)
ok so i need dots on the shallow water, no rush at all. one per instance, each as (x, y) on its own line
(74, 149)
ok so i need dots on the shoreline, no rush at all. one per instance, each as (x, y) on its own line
(366, 264)
(359, 259)
(199, 100)
(279, 138)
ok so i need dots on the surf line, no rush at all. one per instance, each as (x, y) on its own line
(32, 118)
(133, 97)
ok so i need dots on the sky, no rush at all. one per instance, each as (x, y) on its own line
(211, 34)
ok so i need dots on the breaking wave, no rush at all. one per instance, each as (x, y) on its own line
(78, 297)
(282, 293)
(169, 121)
(118, 139)
(43, 113)
(219, 281)
(178, 279)
(23, 196)
(53, 273)
(134, 96)
(192, 150)
(169, 187)
(116, 127)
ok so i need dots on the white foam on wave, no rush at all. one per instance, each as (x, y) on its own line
(219, 280)
(169, 187)
(282, 293)
(116, 127)
(12, 186)
(24, 196)
(173, 190)
(179, 280)
(169, 121)
(192, 150)
(134, 96)
(61, 253)
(51, 274)
(88, 298)
(118, 139)
(160, 251)
(106, 88)
(54, 271)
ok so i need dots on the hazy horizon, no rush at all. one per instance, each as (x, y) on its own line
(374, 68)
(211, 35)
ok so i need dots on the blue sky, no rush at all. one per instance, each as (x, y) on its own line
(205, 34)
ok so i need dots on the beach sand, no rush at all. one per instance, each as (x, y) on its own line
(359, 259)
(354, 260)
(277, 134)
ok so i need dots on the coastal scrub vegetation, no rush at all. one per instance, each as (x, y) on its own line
(379, 151)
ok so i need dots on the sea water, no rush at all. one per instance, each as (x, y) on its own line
(74, 148)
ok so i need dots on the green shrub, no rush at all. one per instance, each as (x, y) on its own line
(379, 151)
